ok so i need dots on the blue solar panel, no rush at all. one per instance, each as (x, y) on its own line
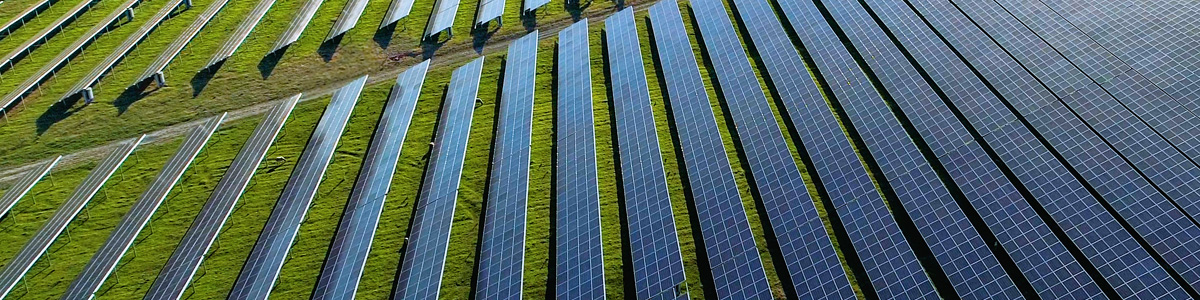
(299, 23)
(348, 18)
(442, 17)
(1166, 229)
(175, 276)
(488, 10)
(970, 266)
(1045, 262)
(657, 261)
(396, 11)
(240, 33)
(502, 252)
(41, 241)
(352, 242)
(420, 275)
(579, 253)
(21, 187)
(262, 266)
(104, 262)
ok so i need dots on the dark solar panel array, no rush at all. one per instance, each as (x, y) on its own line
(122, 50)
(240, 33)
(805, 247)
(266, 259)
(348, 18)
(653, 244)
(488, 10)
(22, 186)
(24, 16)
(1045, 262)
(960, 251)
(41, 241)
(579, 253)
(105, 260)
(442, 16)
(502, 249)
(1098, 236)
(299, 23)
(45, 34)
(396, 11)
(1166, 229)
(420, 275)
(184, 38)
(174, 277)
(1158, 161)
(348, 253)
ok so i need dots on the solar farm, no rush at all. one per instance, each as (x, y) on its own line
(625, 149)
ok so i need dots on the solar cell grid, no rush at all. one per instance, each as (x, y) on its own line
(121, 51)
(420, 274)
(262, 267)
(489, 10)
(1045, 262)
(579, 253)
(184, 38)
(502, 253)
(105, 260)
(1147, 212)
(45, 34)
(960, 251)
(348, 253)
(174, 277)
(299, 23)
(41, 241)
(240, 33)
(348, 18)
(22, 186)
(657, 261)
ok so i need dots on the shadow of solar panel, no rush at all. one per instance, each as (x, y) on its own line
(174, 277)
(657, 261)
(104, 261)
(85, 85)
(41, 241)
(352, 242)
(262, 266)
(45, 34)
(1132, 197)
(240, 33)
(420, 274)
(579, 253)
(22, 186)
(184, 38)
(348, 18)
(299, 23)
(502, 249)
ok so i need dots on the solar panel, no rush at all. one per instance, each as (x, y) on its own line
(420, 275)
(105, 260)
(1158, 160)
(960, 251)
(85, 85)
(396, 11)
(578, 250)
(24, 16)
(42, 36)
(240, 33)
(266, 259)
(41, 241)
(488, 10)
(1147, 212)
(67, 53)
(173, 279)
(348, 18)
(184, 38)
(352, 242)
(442, 17)
(531, 5)
(22, 186)
(1045, 262)
(299, 23)
(654, 247)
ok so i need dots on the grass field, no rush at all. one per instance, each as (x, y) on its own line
(40, 129)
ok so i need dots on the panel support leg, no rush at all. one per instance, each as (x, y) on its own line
(88, 96)
(160, 79)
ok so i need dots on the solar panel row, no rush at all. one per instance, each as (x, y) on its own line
(578, 248)
(960, 251)
(1097, 235)
(42, 36)
(85, 84)
(805, 248)
(240, 33)
(22, 186)
(654, 247)
(348, 18)
(24, 16)
(105, 260)
(396, 11)
(442, 17)
(531, 5)
(1044, 261)
(488, 10)
(420, 275)
(26, 87)
(1144, 209)
(348, 253)
(41, 241)
(185, 37)
(174, 277)
(502, 251)
(262, 267)
(299, 23)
